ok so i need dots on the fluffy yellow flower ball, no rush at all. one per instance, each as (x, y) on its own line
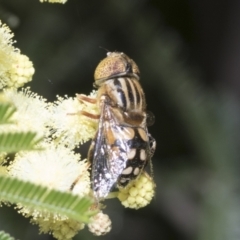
(138, 194)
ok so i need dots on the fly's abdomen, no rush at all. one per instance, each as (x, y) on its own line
(137, 156)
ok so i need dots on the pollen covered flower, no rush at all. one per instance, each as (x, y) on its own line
(69, 125)
(21, 71)
(138, 194)
(6, 51)
(100, 224)
(60, 227)
(58, 168)
(32, 113)
(15, 68)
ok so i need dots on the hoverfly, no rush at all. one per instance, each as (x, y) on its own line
(122, 146)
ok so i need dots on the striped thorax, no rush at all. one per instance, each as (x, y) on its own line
(125, 93)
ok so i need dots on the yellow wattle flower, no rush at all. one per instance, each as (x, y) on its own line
(138, 194)
(15, 69)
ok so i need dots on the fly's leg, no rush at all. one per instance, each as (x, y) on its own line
(87, 114)
(85, 99)
(79, 178)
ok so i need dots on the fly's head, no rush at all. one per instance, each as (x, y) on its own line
(116, 64)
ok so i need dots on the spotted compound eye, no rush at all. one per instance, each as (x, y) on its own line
(115, 65)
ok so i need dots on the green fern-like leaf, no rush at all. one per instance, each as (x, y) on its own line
(14, 142)
(5, 236)
(42, 198)
(6, 112)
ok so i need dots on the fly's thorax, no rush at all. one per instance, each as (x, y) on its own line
(125, 93)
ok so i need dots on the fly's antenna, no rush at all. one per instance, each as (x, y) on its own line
(104, 48)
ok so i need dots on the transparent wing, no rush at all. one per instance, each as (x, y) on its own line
(108, 152)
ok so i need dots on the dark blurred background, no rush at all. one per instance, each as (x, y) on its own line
(188, 53)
